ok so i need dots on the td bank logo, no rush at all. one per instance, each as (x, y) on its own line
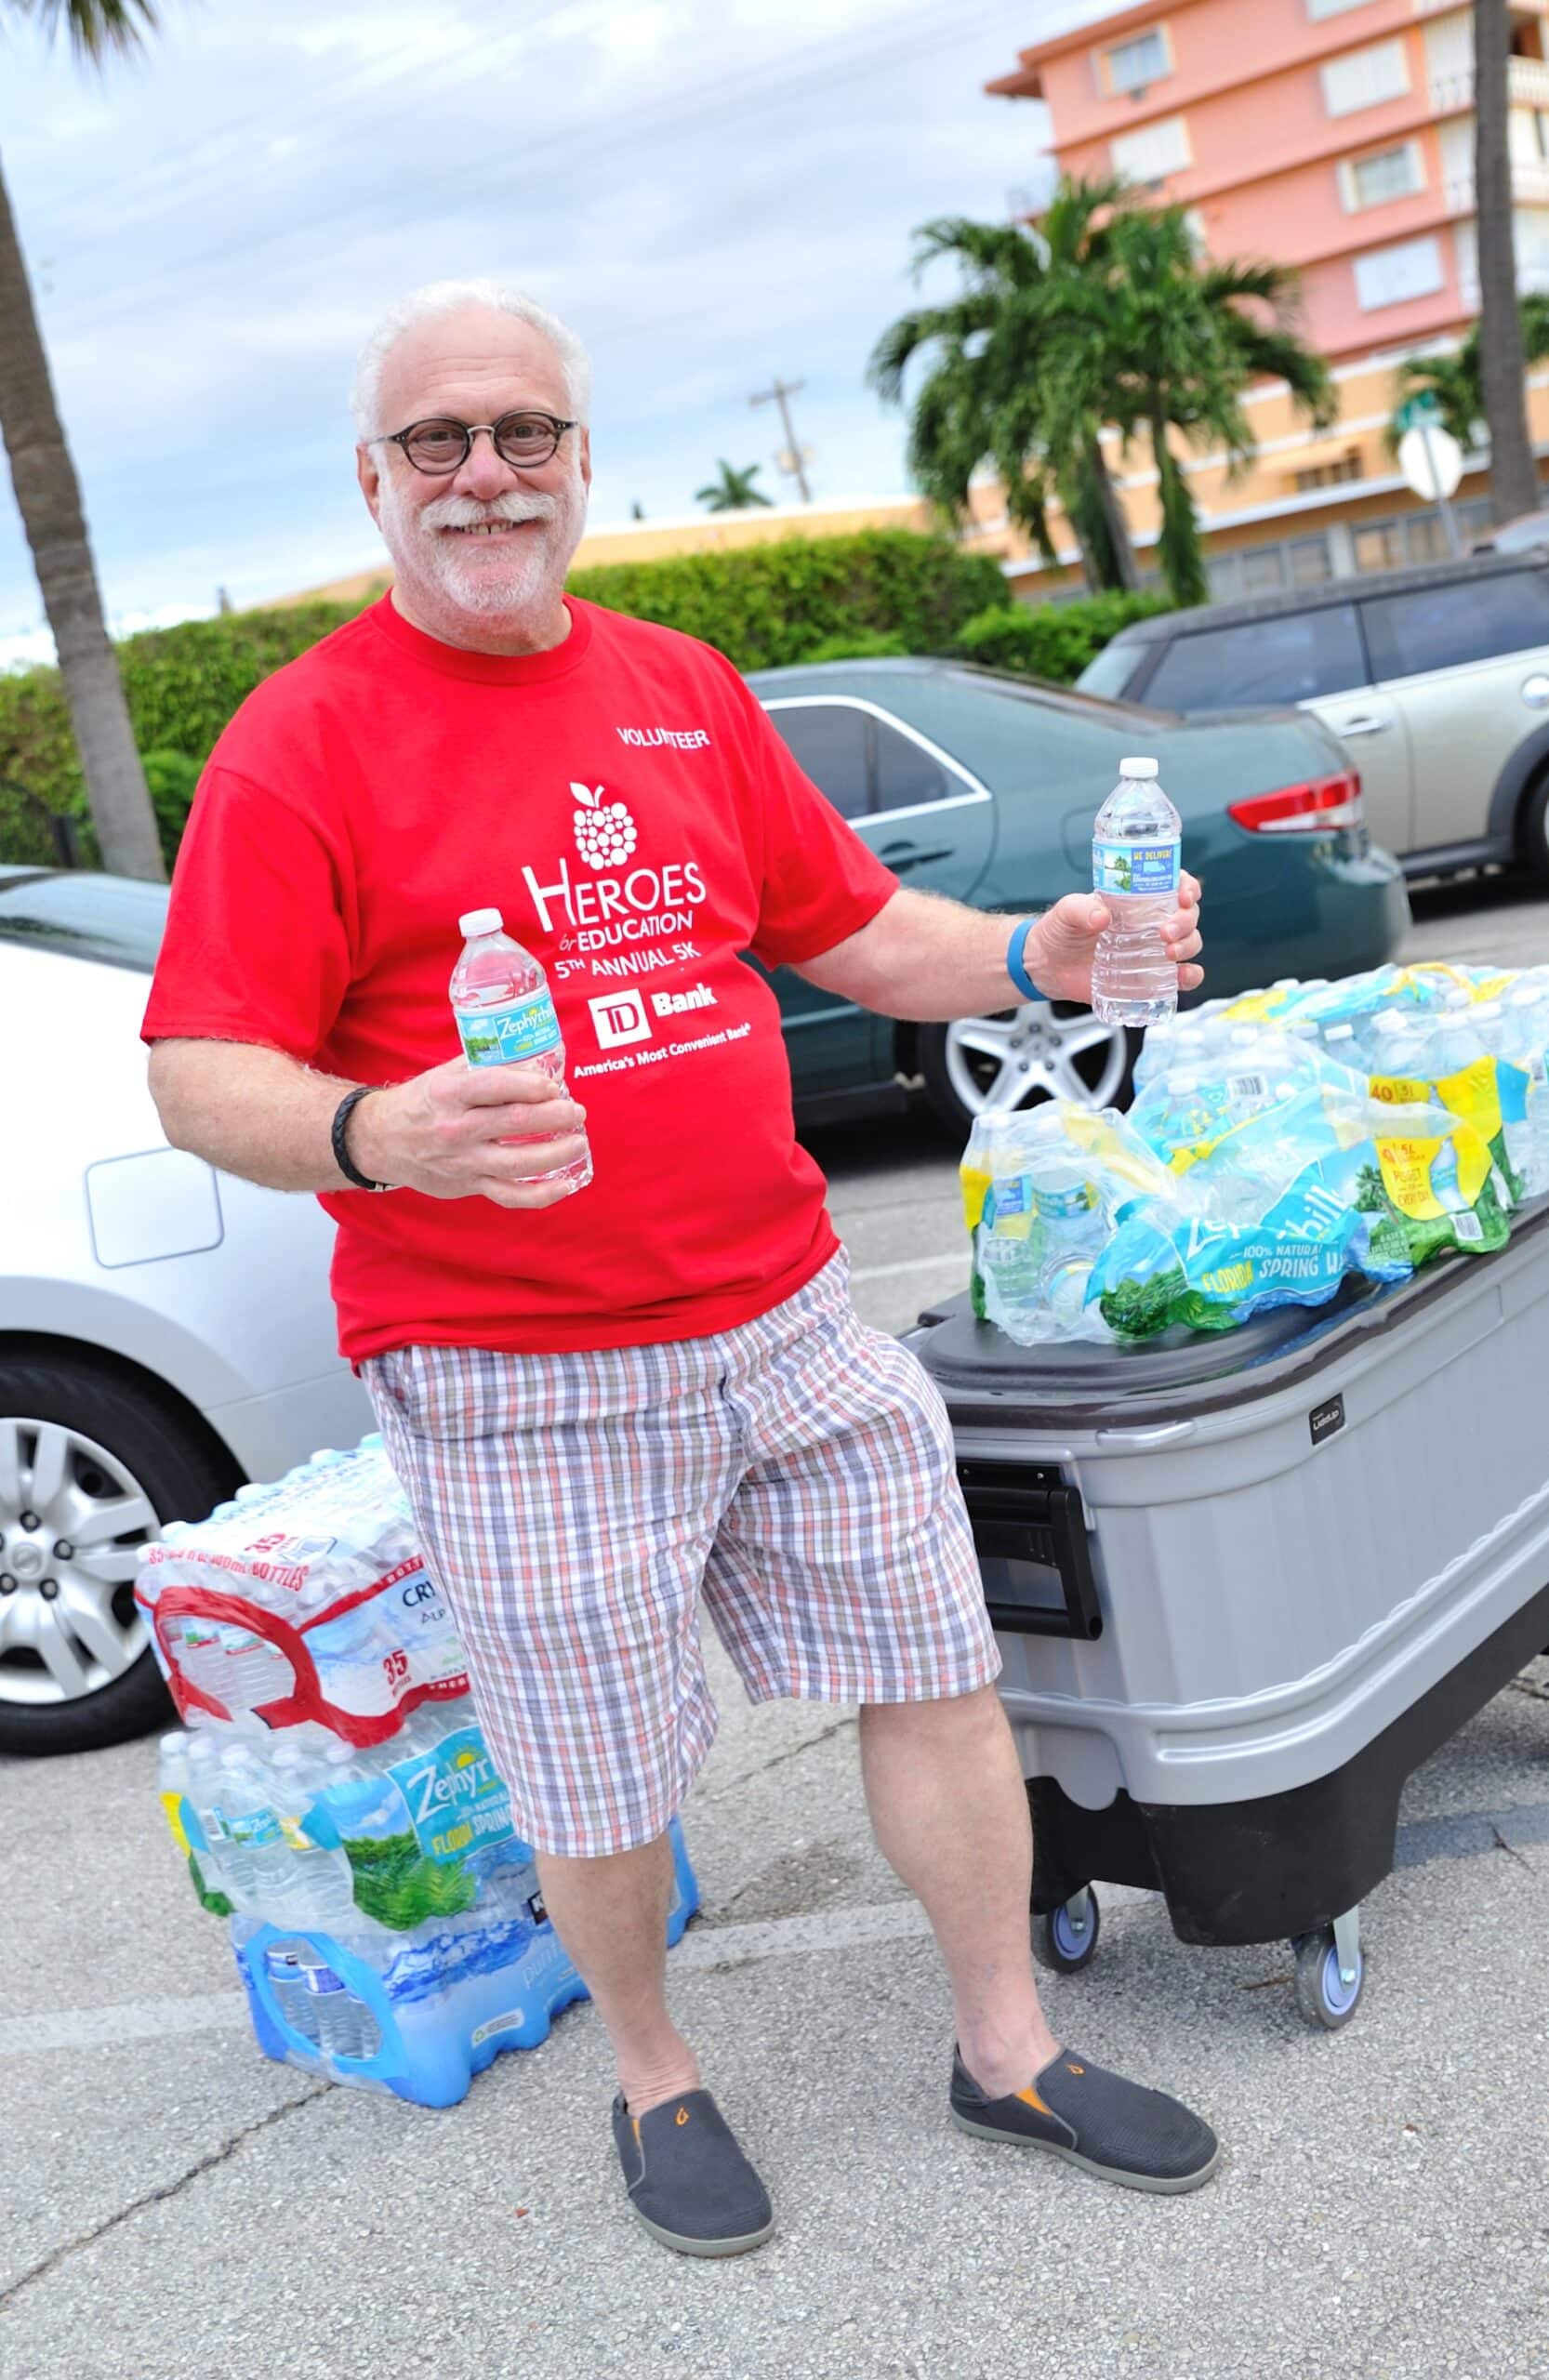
(619, 1018)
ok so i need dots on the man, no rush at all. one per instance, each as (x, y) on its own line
(601, 1402)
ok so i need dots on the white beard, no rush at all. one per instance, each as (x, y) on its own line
(526, 575)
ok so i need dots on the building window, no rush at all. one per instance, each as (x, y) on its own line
(1149, 156)
(1365, 77)
(1134, 64)
(1378, 545)
(1317, 8)
(1310, 560)
(1390, 276)
(1343, 468)
(1387, 173)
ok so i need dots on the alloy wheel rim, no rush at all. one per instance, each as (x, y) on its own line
(72, 1519)
(1024, 1055)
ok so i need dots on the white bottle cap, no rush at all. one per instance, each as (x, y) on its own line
(480, 921)
(1138, 769)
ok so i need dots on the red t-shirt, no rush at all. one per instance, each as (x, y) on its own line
(368, 794)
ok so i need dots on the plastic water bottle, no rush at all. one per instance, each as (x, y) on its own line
(1134, 866)
(1068, 1231)
(262, 1855)
(505, 1014)
(320, 1889)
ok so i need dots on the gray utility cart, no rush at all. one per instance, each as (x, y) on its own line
(1244, 1585)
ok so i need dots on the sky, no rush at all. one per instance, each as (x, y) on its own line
(711, 191)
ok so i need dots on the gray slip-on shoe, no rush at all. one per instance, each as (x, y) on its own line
(1107, 2126)
(688, 2181)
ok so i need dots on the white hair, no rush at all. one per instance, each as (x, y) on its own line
(452, 298)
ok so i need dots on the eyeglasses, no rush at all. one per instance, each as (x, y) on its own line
(440, 446)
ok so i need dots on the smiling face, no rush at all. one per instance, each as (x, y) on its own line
(479, 554)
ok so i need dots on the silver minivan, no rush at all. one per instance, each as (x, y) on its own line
(1435, 680)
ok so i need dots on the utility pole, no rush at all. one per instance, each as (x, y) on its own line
(779, 394)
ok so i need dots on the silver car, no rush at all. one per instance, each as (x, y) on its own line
(165, 1331)
(1436, 681)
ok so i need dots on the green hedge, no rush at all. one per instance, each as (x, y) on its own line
(182, 686)
(881, 591)
(1055, 640)
(767, 605)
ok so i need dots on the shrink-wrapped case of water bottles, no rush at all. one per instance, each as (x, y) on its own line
(332, 1793)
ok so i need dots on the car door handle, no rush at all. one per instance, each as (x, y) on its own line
(1364, 723)
(901, 857)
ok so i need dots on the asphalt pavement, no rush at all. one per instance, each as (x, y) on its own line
(176, 2207)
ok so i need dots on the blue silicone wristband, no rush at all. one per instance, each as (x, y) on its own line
(1014, 967)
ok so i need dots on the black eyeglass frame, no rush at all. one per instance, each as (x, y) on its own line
(470, 429)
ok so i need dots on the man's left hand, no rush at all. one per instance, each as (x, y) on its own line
(1061, 948)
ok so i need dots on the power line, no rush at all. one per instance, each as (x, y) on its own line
(644, 126)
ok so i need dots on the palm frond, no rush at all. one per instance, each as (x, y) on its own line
(95, 29)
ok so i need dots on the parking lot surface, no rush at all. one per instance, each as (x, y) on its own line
(176, 2207)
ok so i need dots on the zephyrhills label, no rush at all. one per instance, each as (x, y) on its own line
(455, 1796)
(1147, 867)
(503, 1036)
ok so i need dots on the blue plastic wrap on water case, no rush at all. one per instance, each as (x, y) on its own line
(444, 2002)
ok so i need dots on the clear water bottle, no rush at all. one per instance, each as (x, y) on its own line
(1134, 866)
(505, 1014)
(1068, 1231)
(321, 1890)
(261, 1854)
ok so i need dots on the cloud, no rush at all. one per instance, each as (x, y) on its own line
(711, 189)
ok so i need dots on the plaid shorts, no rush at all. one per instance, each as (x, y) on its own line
(799, 1469)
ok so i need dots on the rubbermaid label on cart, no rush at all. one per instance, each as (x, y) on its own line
(1324, 1419)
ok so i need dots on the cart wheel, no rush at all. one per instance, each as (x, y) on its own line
(1065, 1941)
(1322, 1995)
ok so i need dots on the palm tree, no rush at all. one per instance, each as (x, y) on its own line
(1190, 338)
(1101, 315)
(733, 491)
(48, 497)
(1456, 383)
(1007, 385)
(1513, 476)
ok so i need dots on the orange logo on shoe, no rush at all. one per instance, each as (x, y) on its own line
(1073, 2069)
(681, 2116)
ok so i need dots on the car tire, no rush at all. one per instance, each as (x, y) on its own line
(1535, 829)
(105, 1441)
(1042, 1050)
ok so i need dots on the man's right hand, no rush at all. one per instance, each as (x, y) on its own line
(462, 1132)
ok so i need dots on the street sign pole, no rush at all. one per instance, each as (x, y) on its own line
(1449, 518)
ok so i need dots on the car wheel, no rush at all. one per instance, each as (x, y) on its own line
(1535, 829)
(1022, 1056)
(90, 1467)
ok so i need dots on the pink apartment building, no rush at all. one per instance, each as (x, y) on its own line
(1335, 135)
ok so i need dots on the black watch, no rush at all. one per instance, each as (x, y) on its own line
(342, 1157)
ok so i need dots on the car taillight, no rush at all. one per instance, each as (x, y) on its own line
(1309, 808)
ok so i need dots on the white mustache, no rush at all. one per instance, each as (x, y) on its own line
(466, 512)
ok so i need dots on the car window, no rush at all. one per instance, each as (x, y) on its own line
(1290, 658)
(829, 743)
(84, 916)
(1109, 672)
(906, 774)
(1471, 620)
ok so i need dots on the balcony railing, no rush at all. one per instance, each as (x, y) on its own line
(1526, 85)
(1529, 188)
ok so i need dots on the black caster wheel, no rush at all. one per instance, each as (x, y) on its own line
(1323, 1997)
(1065, 1940)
